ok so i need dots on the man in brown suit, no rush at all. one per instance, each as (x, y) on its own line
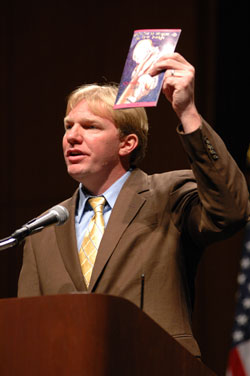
(157, 225)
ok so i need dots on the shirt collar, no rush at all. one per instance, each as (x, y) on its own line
(110, 195)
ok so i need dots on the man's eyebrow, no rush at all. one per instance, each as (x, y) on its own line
(87, 120)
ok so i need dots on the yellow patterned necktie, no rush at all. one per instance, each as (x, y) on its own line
(92, 238)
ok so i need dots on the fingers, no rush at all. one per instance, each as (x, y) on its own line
(178, 82)
(177, 73)
(178, 86)
(170, 61)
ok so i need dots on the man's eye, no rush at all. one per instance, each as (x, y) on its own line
(90, 126)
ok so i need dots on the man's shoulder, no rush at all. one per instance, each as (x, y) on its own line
(138, 172)
(68, 203)
(166, 181)
(173, 180)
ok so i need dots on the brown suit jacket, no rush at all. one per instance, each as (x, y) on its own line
(158, 227)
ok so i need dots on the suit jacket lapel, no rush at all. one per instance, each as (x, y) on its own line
(66, 238)
(129, 201)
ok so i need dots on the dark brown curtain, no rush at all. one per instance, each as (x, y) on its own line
(47, 50)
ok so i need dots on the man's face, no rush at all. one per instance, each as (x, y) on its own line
(91, 146)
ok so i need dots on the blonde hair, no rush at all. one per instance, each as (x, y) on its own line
(101, 99)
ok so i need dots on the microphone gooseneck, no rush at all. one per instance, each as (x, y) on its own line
(55, 216)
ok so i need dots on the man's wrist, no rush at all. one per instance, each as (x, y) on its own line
(190, 120)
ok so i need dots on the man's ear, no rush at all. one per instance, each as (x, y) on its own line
(128, 144)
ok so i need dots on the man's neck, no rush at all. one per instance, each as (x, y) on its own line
(99, 187)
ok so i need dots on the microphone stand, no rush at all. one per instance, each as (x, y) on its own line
(8, 243)
(17, 237)
(57, 215)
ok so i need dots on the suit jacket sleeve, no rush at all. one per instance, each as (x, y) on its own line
(222, 205)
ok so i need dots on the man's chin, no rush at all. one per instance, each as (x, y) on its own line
(76, 174)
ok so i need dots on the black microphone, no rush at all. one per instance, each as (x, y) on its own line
(55, 216)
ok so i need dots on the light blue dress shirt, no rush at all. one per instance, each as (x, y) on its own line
(84, 211)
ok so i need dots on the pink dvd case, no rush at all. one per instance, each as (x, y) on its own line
(137, 88)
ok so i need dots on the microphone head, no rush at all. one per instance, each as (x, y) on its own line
(61, 213)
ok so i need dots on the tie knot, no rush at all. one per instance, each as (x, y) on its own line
(97, 203)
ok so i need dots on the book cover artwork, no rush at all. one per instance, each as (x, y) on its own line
(137, 88)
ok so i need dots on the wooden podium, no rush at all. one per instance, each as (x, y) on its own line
(87, 334)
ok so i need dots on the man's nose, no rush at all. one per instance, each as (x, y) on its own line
(74, 135)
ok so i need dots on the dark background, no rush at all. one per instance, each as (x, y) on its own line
(50, 48)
